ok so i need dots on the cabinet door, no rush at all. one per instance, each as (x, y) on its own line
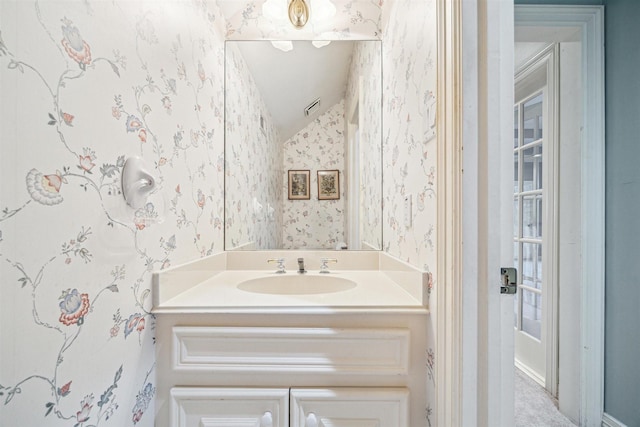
(229, 407)
(350, 407)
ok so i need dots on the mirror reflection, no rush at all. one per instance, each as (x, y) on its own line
(303, 145)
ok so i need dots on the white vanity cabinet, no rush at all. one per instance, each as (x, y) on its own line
(296, 407)
(238, 344)
(299, 369)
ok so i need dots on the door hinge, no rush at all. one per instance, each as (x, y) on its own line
(509, 280)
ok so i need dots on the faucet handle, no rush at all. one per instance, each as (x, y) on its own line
(324, 267)
(280, 262)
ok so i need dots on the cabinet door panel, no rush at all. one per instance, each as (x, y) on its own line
(349, 407)
(229, 407)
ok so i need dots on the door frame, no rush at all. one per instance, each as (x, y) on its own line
(475, 96)
(590, 21)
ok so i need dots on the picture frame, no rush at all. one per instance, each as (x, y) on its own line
(329, 184)
(299, 184)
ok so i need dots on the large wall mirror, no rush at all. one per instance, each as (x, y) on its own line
(303, 145)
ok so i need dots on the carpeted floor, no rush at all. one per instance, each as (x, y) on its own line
(534, 407)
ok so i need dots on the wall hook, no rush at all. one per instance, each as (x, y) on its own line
(137, 182)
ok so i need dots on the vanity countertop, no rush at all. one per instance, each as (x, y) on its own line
(374, 289)
(211, 285)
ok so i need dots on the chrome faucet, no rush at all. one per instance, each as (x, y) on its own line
(280, 262)
(324, 264)
(301, 269)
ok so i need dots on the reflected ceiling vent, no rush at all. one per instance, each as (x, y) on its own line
(312, 108)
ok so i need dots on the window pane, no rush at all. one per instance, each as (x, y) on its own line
(516, 300)
(516, 219)
(532, 216)
(532, 265)
(532, 168)
(515, 126)
(516, 187)
(539, 215)
(533, 119)
(516, 255)
(532, 313)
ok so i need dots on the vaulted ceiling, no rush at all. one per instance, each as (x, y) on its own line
(290, 81)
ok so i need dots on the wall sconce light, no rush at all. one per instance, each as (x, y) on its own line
(298, 13)
(137, 182)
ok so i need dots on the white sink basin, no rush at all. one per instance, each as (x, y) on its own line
(298, 284)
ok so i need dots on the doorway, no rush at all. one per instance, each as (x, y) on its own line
(534, 216)
(475, 322)
(568, 253)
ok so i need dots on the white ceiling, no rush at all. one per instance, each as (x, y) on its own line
(289, 81)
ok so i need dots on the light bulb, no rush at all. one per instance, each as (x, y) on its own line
(274, 10)
(323, 10)
(320, 43)
(283, 45)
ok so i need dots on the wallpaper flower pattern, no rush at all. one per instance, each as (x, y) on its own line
(84, 86)
(366, 69)
(410, 148)
(313, 223)
(253, 162)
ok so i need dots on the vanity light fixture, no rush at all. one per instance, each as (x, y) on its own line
(298, 13)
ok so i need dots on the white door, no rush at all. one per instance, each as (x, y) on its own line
(534, 148)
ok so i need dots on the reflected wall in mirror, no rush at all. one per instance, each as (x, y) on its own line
(274, 123)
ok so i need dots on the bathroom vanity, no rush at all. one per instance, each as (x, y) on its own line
(239, 344)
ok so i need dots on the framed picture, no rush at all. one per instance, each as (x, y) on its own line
(299, 185)
(329, 185)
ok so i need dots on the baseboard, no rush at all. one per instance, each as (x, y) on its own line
(609, 421)
(530, 373)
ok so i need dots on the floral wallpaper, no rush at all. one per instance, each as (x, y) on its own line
(409, 149)
(253, 162)
(366, 69)
(85, 85)
(409, 146)
(313, 223)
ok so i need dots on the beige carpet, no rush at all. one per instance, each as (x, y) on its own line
(534, 407)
